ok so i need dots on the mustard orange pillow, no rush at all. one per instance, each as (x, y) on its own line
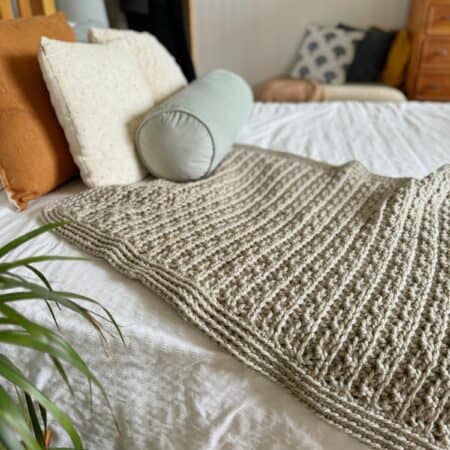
(394, 70)
(34, 153)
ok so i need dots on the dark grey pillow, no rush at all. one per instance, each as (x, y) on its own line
(370, 55)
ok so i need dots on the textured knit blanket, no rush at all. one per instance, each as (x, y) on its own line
(331, 281)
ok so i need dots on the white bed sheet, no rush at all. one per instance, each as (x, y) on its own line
(395, 139)
(171, 387)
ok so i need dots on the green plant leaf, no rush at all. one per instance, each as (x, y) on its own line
(22, 403)
(54, 297)
(62, 297)
(44, 340)
(38, 343)
(8, 439)
(47, 284)
(40, 275)
(59, 367)
(11, 419)
(14, 296)
(18, 330)
(28, 236)
(34, 421)
(35, 259)
(13, 374)
(43, 412)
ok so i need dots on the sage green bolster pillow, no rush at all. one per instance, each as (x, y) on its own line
(186, 136)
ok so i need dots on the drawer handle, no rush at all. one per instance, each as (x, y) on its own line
(445, 18)
(441, 52)
(432, 86)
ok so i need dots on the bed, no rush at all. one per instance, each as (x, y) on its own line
(171, 387)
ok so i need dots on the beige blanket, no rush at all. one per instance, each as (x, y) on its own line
(291, 90)
(329, 280)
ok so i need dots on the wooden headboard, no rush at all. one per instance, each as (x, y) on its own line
(26, 8)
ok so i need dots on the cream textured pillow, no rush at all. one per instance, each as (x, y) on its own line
(100, 95)
(160, 68)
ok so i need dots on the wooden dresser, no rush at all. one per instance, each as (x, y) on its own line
(428, 75)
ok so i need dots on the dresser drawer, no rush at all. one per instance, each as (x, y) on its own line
(438, 21)
(435, 51)
(433, 86)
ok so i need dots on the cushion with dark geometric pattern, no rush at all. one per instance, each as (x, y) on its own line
(325, 54)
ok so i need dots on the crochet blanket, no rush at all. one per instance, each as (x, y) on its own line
(331, 281)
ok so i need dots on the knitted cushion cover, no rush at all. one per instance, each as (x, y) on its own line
(331, 281)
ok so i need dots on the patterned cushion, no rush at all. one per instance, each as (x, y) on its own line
(325, 53)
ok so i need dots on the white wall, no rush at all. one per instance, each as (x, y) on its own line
(258, 38)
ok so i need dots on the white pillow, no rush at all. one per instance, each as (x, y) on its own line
(100, 95)
(160, 68)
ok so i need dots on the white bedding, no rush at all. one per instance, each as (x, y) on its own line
(171, 388)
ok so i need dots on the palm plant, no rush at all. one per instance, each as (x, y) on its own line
(23, 414)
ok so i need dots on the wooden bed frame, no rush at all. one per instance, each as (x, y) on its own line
(26, 8)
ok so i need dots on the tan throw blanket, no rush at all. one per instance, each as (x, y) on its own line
(329, 280)
(291, 90)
